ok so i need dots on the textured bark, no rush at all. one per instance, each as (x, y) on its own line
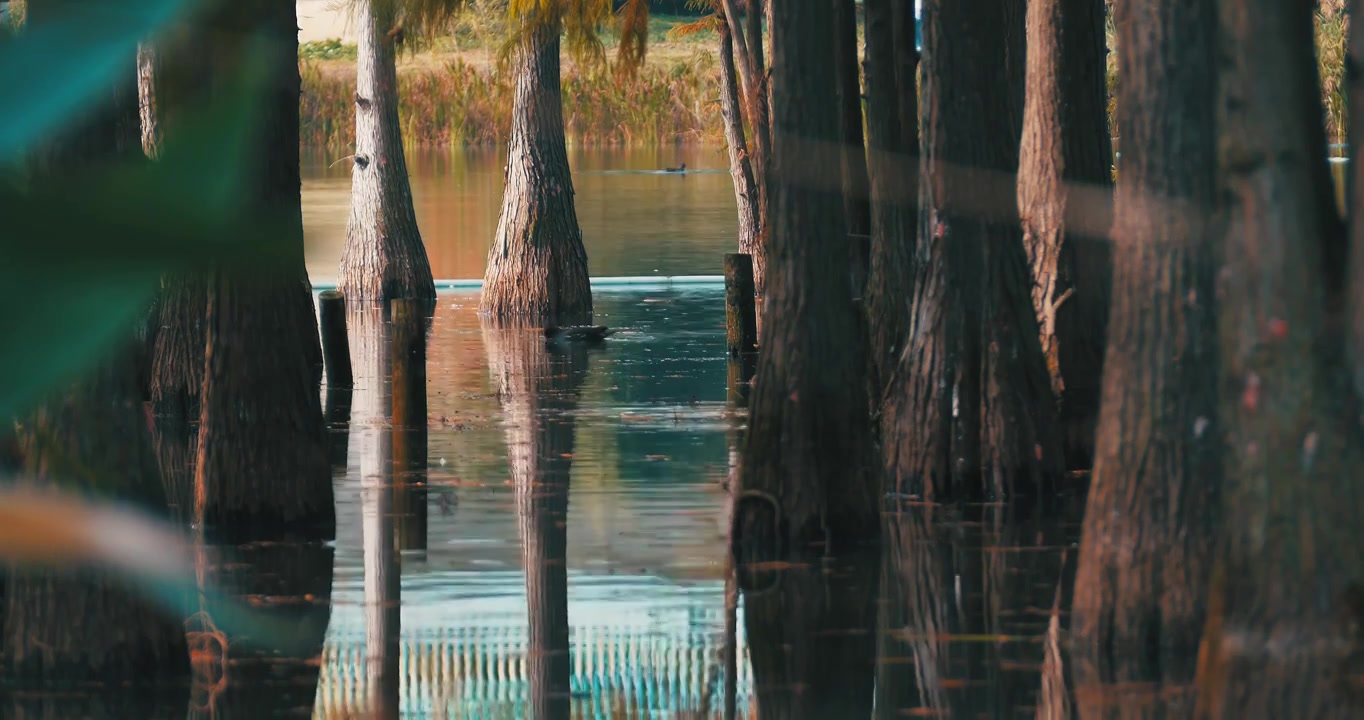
(147, 61)
(808, 445)
(968, 412)
(1149, 529)
(853, 153)
(812, 639)
(537, 267)
(1065, 141)
(1287, 604)
(384, 257)
(746, 191)
(892, 159)
(263, 468)
(1354, 76)
(756, 86)
(539, 393)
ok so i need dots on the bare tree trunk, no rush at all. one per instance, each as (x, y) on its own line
(263, 468)
(740, 164)
(808, 445)
(892, 158)
(748, 44)
(147, 61)
(853, 155)
(1283, 636)
(539, 391)
(537, 267)
(1354, 74)
(969, 411)
(1151, 519)
(384, 256)
(1065, 140)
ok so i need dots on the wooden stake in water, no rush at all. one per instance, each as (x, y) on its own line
(741, 322)
(407, 360)
(335, 344)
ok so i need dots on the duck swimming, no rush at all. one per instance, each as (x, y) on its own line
(579, 333)
(681, 169)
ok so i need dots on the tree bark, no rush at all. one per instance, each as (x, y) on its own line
(384, 257)
(539, 393)
(1065, 141)
(748, 44)
(969, 412)
(1287, 603)
(263, 468)
(537, 267)
(147, 61)
(746, 193)
(892, 159)
(808, 445)
(1354, 78)
(1152, 510)
(853, 155)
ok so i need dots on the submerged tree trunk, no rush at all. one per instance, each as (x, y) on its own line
(892, 160)
(808, 445)
(384, 256)
(537, 267)
(539, 391)
(853, 153)
(746, 194)
(1283, 636)
(1065, 141)
(1151, 519)
(263, 468)
(969, 411)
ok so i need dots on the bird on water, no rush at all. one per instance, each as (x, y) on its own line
(578, 333)
(681, 169)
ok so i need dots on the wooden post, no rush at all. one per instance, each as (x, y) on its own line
(336, 406)
(335, 344)
(407, 359)
(741, 322)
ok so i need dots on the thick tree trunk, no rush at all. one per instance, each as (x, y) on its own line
(808, 445)
(969, 411)
(384, 256)
(1065, 140)
(537, 267)
(892, 159)
(1152, 509)
(539, 393)
(740, 164)
(263, 468)
(853, 153)
(1283, 636)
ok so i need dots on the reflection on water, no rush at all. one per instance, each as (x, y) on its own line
(574, 558)
(635, 220)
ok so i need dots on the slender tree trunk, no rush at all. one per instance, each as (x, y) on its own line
(892, 159)
(1152, 509)
(147, 60)
(1065, 140)
(537, 267)
(384, 256)
(1283, 636)
(748, 45)
(263, 468)
(1354, 75)
(856, 195)
(808, 445)
(539, 391)
(969, 410)
(740, 164)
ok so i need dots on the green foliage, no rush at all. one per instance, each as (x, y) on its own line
(330, 49)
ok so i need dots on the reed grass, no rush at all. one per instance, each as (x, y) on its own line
(460, 104)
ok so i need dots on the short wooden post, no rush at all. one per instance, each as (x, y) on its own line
(407, 359)
(741, 322)
(335, 344)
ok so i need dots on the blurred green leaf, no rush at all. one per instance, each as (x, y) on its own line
(55, 69)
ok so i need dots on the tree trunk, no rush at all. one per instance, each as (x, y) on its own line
(740, 164)
(853, 152)
(748, 44)
(1065, 141)
(147, 60)
(1354, 74)
(384, 256)
(1283, 636)
(59, 627)
(537, 267)
(808, 444)
(1152, 513)
(539, 393)
(969, 410)
(892, 159)
(263, 468)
